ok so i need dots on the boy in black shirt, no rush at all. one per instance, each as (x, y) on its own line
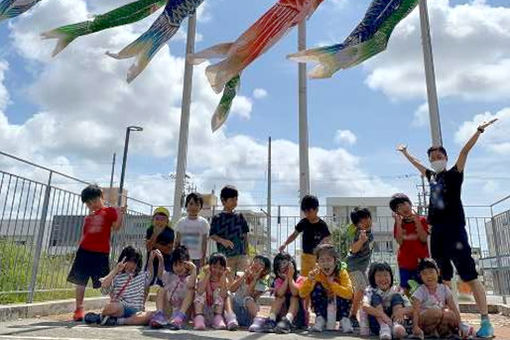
(315, 231)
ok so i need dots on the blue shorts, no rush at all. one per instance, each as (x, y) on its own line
(406, 275)
(129, 311)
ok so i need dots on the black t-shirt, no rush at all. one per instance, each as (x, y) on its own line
(313, 234)
(168, 234)
(445, 205)
(230, 226)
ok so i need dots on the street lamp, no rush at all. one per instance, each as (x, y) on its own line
(124, 160)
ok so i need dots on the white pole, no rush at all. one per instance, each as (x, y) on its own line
(269, 215)
(304, 170)
(182, 151)
(435, 123)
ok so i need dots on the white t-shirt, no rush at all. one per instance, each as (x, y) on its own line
(432, 300)
(192, 235)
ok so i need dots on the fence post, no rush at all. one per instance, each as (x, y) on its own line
(39, 241)
(501, 285)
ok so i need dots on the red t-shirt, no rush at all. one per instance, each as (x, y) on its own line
(412, 250)
(97, 230)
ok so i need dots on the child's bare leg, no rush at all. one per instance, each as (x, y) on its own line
(276, 307)
(161, 299)
(356, 303)
(448, 324)
(199, 308)
(252, 307)
(113, 309)
(227, 306)
(80, 295)
(140, 318)
(380, 320)
(188, 301)
(398, 329)
(293, 306)
(429, 320)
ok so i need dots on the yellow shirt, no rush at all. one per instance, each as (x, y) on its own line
(340, 287)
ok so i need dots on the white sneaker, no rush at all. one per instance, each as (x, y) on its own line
(385, 332)
(346, 325)
(319, 324)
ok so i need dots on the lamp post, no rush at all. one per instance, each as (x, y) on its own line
(124, 160)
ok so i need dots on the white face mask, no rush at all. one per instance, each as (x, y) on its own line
(439, 165)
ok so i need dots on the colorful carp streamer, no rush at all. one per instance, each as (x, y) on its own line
(223, 109)
(12, 8)
(256, 40)
(369, 38)
(124, 15)
(164, 28)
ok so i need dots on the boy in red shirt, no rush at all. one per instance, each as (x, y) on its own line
(91, 259)
(411, 232)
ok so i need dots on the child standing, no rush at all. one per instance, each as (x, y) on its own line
(359, 257)
(287, 310)
(411, 233)
(315, 231)
(330, 289)
(192, 230)
(434, 310)
(386, 308)
(211, 300)
(248, 288)
(179, 289)
(91, 261)
(230, 231)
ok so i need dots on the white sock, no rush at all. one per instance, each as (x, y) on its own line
(120, 321)
(272, 317)
(290, 317)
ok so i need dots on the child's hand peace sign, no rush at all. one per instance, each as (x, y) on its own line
(121, 265)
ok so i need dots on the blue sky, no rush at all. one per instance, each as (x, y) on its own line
(378, 102)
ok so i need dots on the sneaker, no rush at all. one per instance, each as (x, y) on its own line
(91, 318)
(78, 315)
(284, 326)
(232, 324)
(486, 330)
(399, 331)
(219, 322)
(108, 321)
(177, 321)
(158, 320)
(199, 322)
(319, 324)
(269, 326)
(346, 325)
(354, 321)
(257, 324)
(466, 331)
(385, 332)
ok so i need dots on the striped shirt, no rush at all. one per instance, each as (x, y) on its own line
(133, 294)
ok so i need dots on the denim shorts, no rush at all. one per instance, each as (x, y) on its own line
(129, 311)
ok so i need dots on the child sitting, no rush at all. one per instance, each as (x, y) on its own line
(434, 310)
(179, 289)
(386, 308)
(330, 289)
(248, 288)
(211, 300)
(126, 286)
(287, 309)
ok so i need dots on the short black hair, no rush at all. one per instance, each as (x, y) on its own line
(165, 238)
(217, 258)
(180, 254)
(130, 254)
(265, 261)
(279, 258)
(437, 148)
(90, 193)
(329, 249)
(309, 202)
(379, 267)
(357, 214)
(195, 197)
(398, 199)
(427, 263)
(228, 191)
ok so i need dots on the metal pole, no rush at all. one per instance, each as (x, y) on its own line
(495, 235)
(112, 175)
(269, 197)
(435, 123)
(39, 241)
(123, 173)
(182, 152)
(304, 171)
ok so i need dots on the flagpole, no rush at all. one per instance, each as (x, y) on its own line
(182, 151)
(435, 123)
(304, 170)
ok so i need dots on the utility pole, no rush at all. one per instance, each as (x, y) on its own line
(269, 197)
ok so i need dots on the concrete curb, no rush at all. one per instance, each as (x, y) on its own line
(22, 311)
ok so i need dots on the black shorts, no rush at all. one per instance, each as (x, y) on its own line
(450, 244)
(89, 264)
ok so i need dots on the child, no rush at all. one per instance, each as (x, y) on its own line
(192, 230)
(211, 300)
(230, 231)
(386, 308)
(434, 310)
(179, 289)
(91, 261)
(411, 233)
(330, 289)
(248, 288)
(315, 231)
(287, 309)
(126, 285)
(160, 225)
(359, 257)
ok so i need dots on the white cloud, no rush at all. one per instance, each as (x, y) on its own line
(345, 136)
(421, 116)
(259, 93)
(471, 50)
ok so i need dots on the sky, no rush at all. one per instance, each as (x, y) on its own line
(70, 112)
